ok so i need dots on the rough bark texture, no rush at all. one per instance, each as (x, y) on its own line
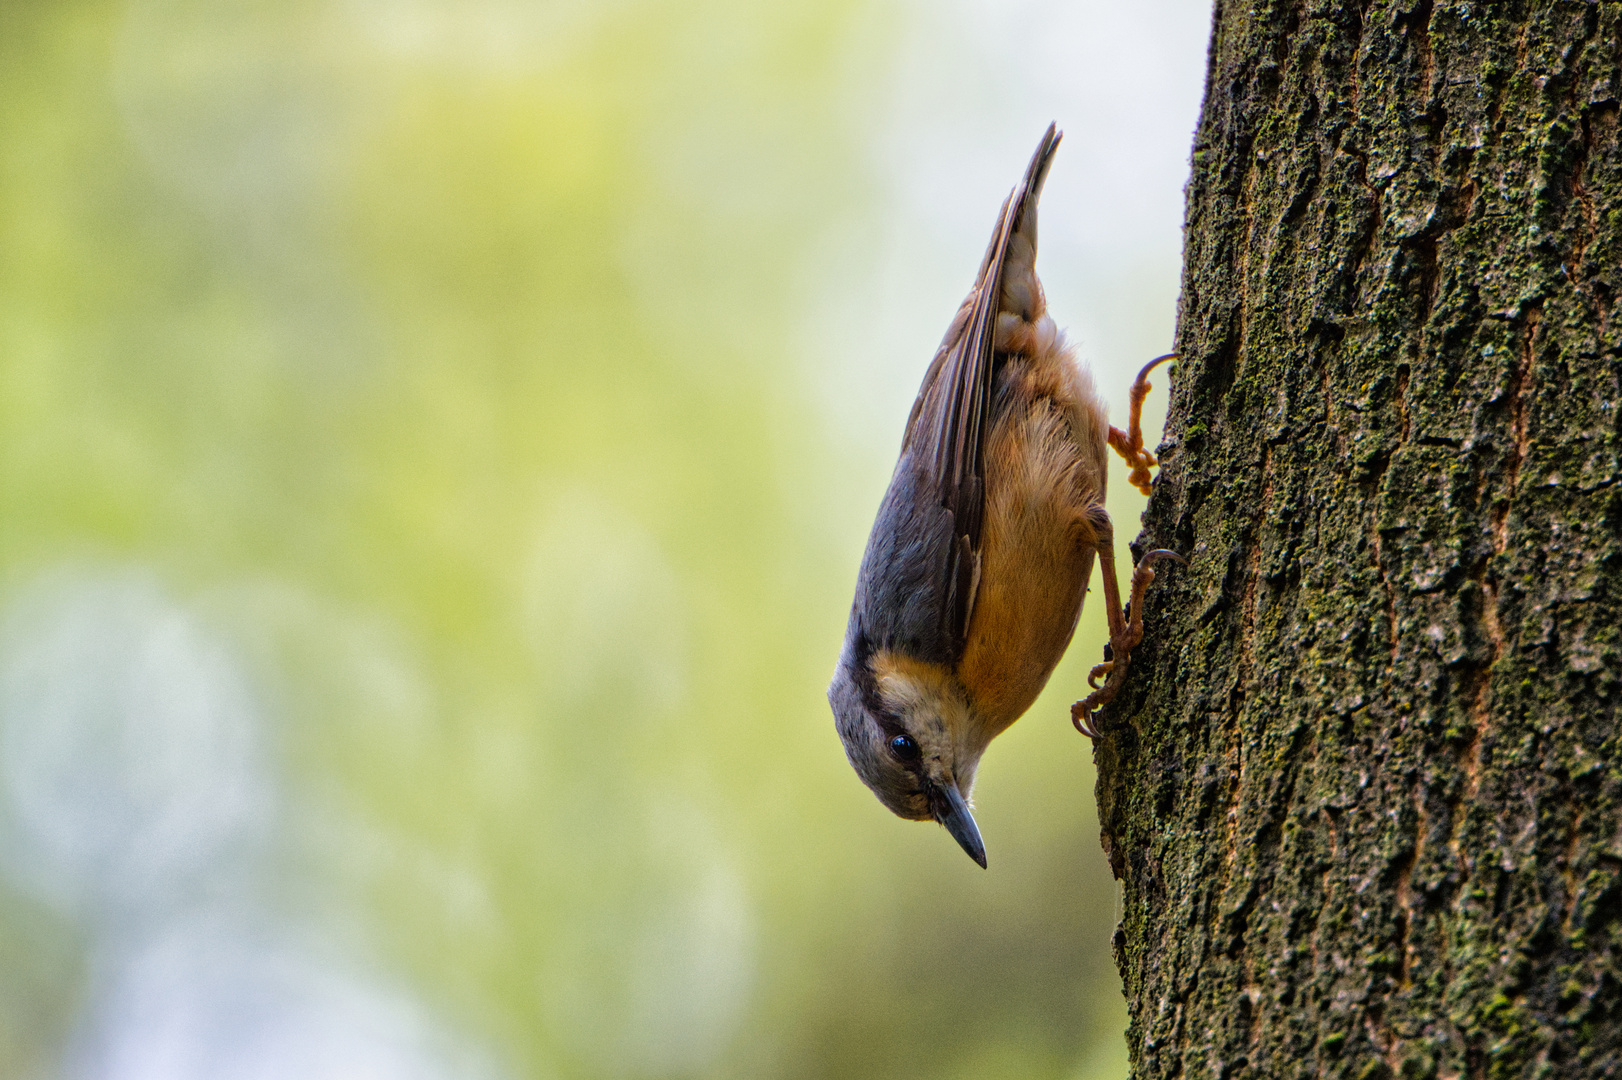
(1364, 789)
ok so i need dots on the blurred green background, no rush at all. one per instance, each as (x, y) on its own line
(437, 440)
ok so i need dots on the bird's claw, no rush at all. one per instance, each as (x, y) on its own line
(1129, 443)
(1082, 717)
(1121, 645)
(1099, 670)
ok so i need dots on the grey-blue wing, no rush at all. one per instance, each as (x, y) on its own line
(903, 599)
(920, 565)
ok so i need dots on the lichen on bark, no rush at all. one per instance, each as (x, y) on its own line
(1364, 788)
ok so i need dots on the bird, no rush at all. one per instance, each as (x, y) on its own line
(973, 577)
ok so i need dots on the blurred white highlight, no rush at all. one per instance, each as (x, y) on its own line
(974, 85)
(138, 797)
(129, 748)
(220, 999)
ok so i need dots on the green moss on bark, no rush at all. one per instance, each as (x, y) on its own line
(1364, 789)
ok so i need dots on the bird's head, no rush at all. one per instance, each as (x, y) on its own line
(912, 737)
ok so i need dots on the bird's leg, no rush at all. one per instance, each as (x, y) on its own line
(1125, 627)
(1129, 443)
(1081, 713)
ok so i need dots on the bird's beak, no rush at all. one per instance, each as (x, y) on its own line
(952, 812)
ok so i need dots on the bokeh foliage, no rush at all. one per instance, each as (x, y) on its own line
(440, 363)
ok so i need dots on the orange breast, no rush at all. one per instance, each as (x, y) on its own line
(1045, 462)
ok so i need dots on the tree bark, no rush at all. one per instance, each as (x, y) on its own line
(1364, 787)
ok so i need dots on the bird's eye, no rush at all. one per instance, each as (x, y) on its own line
(904, 748)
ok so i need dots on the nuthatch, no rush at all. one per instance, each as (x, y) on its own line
(978, 562)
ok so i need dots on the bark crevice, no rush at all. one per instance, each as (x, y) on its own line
(1364, 791)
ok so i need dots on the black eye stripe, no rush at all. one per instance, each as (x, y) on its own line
(888, 722)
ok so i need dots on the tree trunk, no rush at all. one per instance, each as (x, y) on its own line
(1364, 787)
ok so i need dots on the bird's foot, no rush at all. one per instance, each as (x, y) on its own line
(1122, 641)
(1129, 443)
